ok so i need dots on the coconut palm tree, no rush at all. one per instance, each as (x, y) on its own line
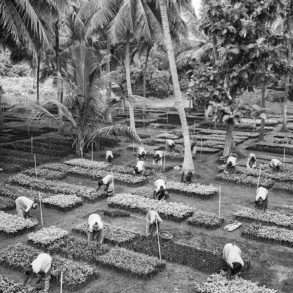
(188, 165)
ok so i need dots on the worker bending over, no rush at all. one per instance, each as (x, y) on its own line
(139, 168)
(24, 206)
(108, 182)
(170, 145)
(40, 269)
(233, 259)
(261, 198)
(186, 178)
(109, 156)
(160, 191)
(141, 153)
(231, 163)
(158, 158)
(95, 229)
(251, 161)
(153, 221)
(275, 164)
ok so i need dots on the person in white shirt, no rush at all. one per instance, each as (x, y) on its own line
(24, 205)
(233, 259)
(261, 198)
(158, 158)
(108, 182)
(95, 229)
(251, 161)
(230, 163)
(170, 145)
(109, 156)
(40, 268)
(160, 191)
(139, 168)
(275, 164)
(153, 221)
(141, 153)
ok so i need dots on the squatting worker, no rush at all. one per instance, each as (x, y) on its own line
(95, 229)
(141, 153)
(231, 163)
(139, 168)
(40, 269)
(170, 144)
(186, 177)
(108, 182)
(251, 161)
(233, 259)
(24, 206)
(109, 156)
(153, 221)
(160, 191)
(275, 164)
(261, 198)
(158, 158)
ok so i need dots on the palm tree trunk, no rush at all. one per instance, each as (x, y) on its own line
(263, 104)
(188, 164)
(228, 140)
(58, 75)
(129, 88)
(38, 76)
(108, 66)
(145, 71)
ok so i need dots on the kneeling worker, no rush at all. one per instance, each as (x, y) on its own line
(139, 168)
(95, 229)
(233, 259)
(153, 221)
(24, 206)
(141, 153)
(275, 164)
(160, 191)
(170, 145)
(261, 199)
(108, 181)
(158, 158)
(40, 269)
(231, 163)
(109, 156)
(251, 162)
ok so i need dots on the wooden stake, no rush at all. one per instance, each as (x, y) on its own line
(61, 282)
(35, 164)
(32, 144)
(200, 147)
(220, 201)
(158, 237)
(164, 161)
(258, 180)
(41, 210)
(92, 151)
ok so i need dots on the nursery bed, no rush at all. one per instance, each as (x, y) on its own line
(6, 203)
(45, 173)
(174, 211)
(272, 148)
(205, 220)
(9, 286)
(63, 202)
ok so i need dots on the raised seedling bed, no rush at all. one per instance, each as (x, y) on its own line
(63, 202)
(170, 210)
(272, 148)
(75, 274)
(269, 217)
(205, 220)
(45, 173)
(13, 224)
(6, 203)
(194, 189)
(84, 163)
(10, 286)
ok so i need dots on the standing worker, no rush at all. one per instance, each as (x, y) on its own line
(275, 164)
(108, 181)
(95, 229)
(233, 259)
(24, 205)
(251, 161)
(40, 269)
(153, 221)
(261, 199)
(160, 191)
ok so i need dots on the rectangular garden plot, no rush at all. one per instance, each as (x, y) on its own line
(113, 235)
(218, 283)
(272, 148)
(132, 262)
(9, 286)
(203, 191)
(269, 217)
(45, 173)
(84, 163)
(205, 220)
(270, 234)
(13, 224)
(6, 203)
(88, 193)
(63, 202)
(75, 274)
(47, 236)
(170, 210)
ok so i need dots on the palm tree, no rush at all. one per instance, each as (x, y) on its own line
(188, 164)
